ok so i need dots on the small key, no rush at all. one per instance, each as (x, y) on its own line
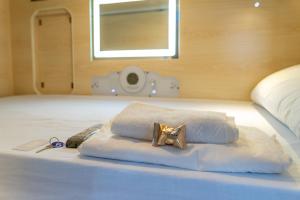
(45, 148)
(56, 144)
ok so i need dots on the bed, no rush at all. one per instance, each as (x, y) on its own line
(64, 174)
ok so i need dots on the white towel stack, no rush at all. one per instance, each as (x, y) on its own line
(254, 151)
(137, 121)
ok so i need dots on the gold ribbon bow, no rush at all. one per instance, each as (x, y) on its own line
(165, 135)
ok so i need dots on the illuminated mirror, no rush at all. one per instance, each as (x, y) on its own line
(134, 28)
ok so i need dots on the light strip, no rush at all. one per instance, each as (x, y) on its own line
(172, 26)
(171, 51)
(96, 22)
(117, 1)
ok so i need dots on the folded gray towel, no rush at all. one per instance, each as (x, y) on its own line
(76, 140)
(137, 121)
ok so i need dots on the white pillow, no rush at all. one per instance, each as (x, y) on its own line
(279, 93)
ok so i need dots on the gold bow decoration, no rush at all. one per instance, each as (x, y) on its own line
(165, 135)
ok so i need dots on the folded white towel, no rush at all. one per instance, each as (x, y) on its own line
(253, 152)
(137, 121)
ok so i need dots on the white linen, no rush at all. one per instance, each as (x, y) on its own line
(253, 152)
(137, 121)
(62, 174)
(279, 93)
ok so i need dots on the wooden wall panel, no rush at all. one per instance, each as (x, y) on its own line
(226, 46)
(53, 42)
(6, 87)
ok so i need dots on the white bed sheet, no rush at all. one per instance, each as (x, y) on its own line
(63, 174)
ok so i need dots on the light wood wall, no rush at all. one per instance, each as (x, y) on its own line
(226, 46)
(6, 87)
(53, 52)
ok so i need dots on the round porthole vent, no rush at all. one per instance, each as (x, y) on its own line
(132, 79)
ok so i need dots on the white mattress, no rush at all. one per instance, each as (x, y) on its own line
(63, 174)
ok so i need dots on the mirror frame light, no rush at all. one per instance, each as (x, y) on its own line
(172, 35)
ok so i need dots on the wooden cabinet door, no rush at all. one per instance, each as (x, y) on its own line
(53, 39)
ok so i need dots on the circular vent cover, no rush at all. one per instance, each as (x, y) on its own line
(132, 79)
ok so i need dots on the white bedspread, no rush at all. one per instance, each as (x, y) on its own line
(63, 174)
(253, 152)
